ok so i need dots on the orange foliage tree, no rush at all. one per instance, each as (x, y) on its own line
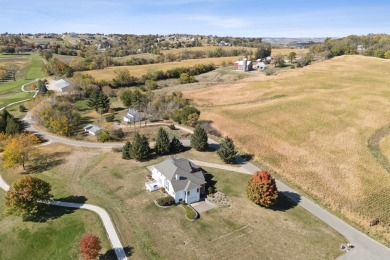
(261, 189)
(90, 246)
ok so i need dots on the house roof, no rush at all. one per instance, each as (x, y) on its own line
(241, 62)
(190, 175)
(92, 128)
(60, 84)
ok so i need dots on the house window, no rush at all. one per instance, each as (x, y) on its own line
(166, 184)
(197, 190)
(188, 193)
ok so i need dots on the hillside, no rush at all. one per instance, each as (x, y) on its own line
(312, 126)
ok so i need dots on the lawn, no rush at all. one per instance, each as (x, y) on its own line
(243, 230)
(57, 238)
(139, 70)
(312, 127)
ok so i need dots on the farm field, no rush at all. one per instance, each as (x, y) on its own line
(105, 179)
(137, 71)
(67, 58)
(312, 127)
(138, 56)
(57, 238)
(203, 48)
(286, 51)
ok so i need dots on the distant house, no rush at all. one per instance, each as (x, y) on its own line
(243, 65)
(93, 129)
(223, 43)
(260, 65)
(132, 116)
(60, 85)
(181, 179)
(361, 48)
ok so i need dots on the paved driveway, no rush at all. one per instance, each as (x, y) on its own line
(202, 206)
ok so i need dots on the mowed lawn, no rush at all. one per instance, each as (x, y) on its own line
(312, 127)
(140, 70)
(243, 230)
(57, 238)
(30, 69)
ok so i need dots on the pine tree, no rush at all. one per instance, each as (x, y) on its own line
(42, 89)
(140, 147)
(227, 151)
(176, 146)
(261, 189)
(99, 101)
(126, 151)
(162, 142)
(103, 101)
(13, 126)
(199, 139)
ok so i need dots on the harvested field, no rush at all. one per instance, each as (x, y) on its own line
(137, 71)
(66, 58)
(286, 51)
(203, 48)
(312, 127)
(138, 56)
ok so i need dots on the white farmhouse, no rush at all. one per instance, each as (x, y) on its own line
(132, 116)
(61, 85)
(92, 129)
(182, 179)
(243, 65)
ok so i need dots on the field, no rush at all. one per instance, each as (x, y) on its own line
(243, 230)
(203, 48)
(138, 56)
(286, 51)
(137, 71)
(312, 126)
(66, 58)
(30, 69)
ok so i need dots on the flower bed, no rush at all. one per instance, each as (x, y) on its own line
(218, 199)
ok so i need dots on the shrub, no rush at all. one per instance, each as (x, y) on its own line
(117, 149)
(269, 71)
(165, 201)
(210, 190)
(110, 118)
(104, 137)
(172, 127)
(261, 189)
(186, 78)
(22, 108)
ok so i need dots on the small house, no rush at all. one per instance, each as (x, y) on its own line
(243, 65)
(93, 129)
(181, 179)
(261, 65)
(132, 116)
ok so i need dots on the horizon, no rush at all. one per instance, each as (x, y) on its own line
(300, 19)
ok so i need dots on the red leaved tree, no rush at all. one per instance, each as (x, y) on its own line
(261, 189)
(90, 247)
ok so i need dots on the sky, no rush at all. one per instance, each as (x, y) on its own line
(258, 18)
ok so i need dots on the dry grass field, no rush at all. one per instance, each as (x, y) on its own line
(243, 230)
(312, 127)
(137, 71)
(66, 58)
(203, 48)
(286, 51)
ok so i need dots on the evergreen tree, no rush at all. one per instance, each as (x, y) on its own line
(3, 120)
(176, 146)
(42, 89)
(227, 151)
(99, 101)
(162, 142)
(13, 126)
(126, 151)
(104, 102)
(140, 148)
(199, 139)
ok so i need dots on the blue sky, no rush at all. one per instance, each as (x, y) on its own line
(256, 18)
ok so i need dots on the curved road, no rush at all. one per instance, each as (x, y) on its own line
(365, 247)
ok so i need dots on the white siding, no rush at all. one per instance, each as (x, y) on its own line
(194, 196)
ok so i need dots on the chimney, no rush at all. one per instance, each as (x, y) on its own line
(244, 63)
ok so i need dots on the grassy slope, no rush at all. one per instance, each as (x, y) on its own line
(54, 239)
(312, 126)
(118, 185)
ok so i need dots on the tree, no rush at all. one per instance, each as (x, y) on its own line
(291, 56)
(13, 126)
(261, 189)
(18, 149)
(162, 142)
(176, 146)
(126, 151)
(24, 197)
(140, 147)
(387, 54)
(186, 78)
(227, 151)
(3, 74)
(99, 101)
(123, 78)
(199, 139)
(90, 247)
(13, 69)
(42, 89)
(192, 119)
(263, 51)
(279, 61)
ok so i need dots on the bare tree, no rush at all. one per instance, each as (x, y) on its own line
(13, 69)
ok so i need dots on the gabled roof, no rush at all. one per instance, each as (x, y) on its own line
(60, 84)
(92, 128)
(190, 174)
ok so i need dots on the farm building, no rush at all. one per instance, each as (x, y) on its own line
(59, 85)
(260, 65)
(243, 65)
(93, 129)
(132, 116)
(181, 179)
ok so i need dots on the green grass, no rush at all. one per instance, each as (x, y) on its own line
(55, 239)
(34, 69)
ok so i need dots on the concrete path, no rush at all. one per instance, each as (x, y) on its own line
(202, 206)
(24, 100)
(366, 248)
